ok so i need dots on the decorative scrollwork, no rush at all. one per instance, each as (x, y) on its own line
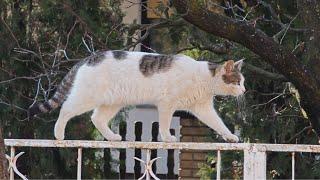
(13, 165)
(148, 166)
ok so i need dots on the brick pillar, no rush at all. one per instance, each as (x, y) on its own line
(192, 130)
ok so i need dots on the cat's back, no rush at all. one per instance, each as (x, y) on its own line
(142, 64)
(117, 75)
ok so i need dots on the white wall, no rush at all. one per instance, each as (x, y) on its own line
(132, 10)
(147, 116)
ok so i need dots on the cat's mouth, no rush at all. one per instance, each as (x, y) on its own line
(238, 92)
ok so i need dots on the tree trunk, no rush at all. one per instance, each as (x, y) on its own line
(258, 42)
(3, 160)
(309, 13)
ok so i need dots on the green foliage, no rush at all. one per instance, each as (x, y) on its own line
(32, 32)
(270, 110)
(231, 166)
(33, 35)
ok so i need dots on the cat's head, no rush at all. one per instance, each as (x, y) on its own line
(229, 78)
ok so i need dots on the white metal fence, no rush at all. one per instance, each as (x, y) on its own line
(254, 154)
(148, 117)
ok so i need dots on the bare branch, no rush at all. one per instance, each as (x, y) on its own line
(254, 39)
(69, 33)
(282, 59)
(136, 29)
(11, 33)
(298, 134)
(269, 75)
(22, 77)
(288, 26)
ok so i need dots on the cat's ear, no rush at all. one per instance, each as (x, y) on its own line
(228, 66)
(238, 64)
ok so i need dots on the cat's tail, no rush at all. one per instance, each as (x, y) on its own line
(47, 106)
(59, 97)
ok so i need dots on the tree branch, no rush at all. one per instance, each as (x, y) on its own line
(282, 59)
(256, 70)
(254, 39)
(11, 33)
(298, 134)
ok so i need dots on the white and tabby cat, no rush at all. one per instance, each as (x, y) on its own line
(107, 81)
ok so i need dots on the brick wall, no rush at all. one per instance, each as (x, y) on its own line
(192, 130)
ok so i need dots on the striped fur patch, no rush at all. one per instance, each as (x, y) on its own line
(233, 78)
(54, 103)
(151, 64)
(95, 59)
(66, 84)
(43, 108)
(64, 88)
(119, 55)
(212, 68)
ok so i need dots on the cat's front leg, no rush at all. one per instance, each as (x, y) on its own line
(165, 117)
(209, 116)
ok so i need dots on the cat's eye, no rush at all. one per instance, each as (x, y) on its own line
(236, 83)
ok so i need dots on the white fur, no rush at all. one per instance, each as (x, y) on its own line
(112, 84)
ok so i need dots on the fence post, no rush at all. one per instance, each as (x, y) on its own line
(292, 164)
(218, 165)
(79, 160)
(12, 155)
(254, 164)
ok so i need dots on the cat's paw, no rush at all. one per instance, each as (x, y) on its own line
(114, 137)
(169, 139)
(58, 132)
(59, 135)
(231, 138)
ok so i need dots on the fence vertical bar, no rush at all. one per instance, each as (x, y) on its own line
(147, 163)
(255, 166)
(218, 165)
(12, 154)
(293, 164)
(79, 163)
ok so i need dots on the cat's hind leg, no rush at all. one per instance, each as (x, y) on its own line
(61, 123)
(101, 117)
(165, 117)
(71, 108)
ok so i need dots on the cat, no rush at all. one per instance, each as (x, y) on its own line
(107, 81)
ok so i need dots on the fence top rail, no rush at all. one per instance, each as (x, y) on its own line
(162, 145)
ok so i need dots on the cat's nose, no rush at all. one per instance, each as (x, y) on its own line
(243, 90)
